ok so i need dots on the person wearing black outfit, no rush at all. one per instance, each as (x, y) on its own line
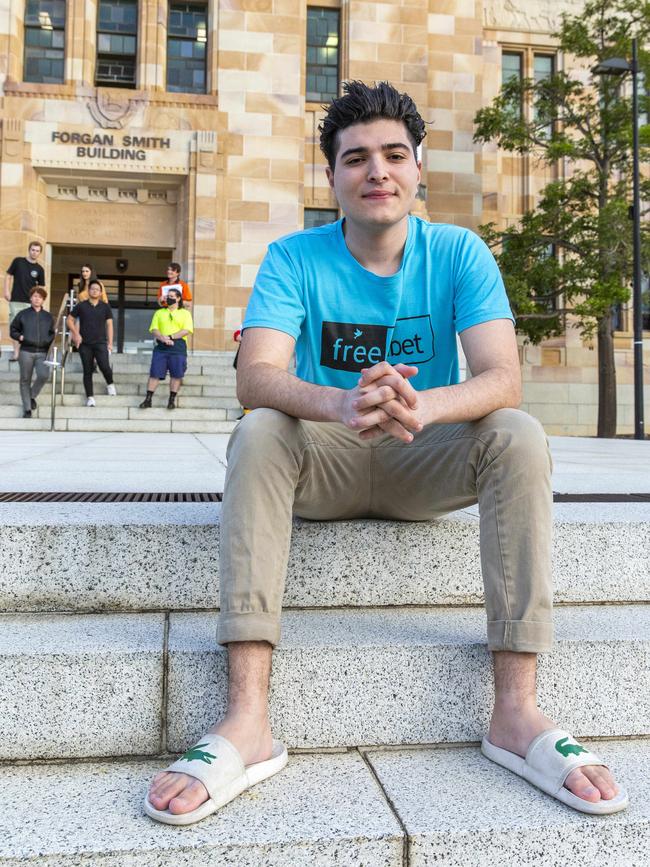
(22, 275)
(91, 327)
(33, 331)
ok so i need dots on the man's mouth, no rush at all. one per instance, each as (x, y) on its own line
(379, 194)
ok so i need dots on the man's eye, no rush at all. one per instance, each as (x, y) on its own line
(397, 156)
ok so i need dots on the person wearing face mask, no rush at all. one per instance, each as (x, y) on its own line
(86, 275)
(170, 326)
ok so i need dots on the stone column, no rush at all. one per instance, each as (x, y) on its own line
(261, 58)
(454, 190)
(152, 45)
(80, 42)
(11, 56)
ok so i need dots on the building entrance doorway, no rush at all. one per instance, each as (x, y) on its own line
(131, 278)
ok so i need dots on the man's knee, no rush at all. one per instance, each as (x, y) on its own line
(262, 433)
(518, 438)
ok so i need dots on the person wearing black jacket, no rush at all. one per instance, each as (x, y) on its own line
(33, 330)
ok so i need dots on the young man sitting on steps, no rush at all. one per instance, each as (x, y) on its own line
(376, 424)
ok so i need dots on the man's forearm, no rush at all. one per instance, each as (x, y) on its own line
(264, 385)
(475, 398)
(8, 284)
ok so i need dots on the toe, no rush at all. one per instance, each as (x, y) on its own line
(602, 779)
(191, 797)
(165, 787)
(583, 784)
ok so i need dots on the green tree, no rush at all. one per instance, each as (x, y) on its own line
(576, 243)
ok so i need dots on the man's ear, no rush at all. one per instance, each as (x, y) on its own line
(330, 176)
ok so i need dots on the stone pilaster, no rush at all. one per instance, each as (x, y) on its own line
(261, 58)
(80, 42)
(454, 188)
(11, 26)
(152, 45)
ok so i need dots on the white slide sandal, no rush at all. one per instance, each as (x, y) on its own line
(217, 764)
(549, 760)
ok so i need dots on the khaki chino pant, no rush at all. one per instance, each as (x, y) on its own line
(279, 466)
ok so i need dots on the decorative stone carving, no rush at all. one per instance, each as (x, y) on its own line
(542, 16)
(110, 110)
(12, 137)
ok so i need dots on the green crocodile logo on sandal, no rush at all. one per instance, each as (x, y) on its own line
(567, 750)
(197, 754)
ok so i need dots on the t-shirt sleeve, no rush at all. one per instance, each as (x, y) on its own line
(108, 313)
(154, 321)
(479, 293)
(187, 292)
(276, 301)
(41, 276)
(12, 268)
(188, 325)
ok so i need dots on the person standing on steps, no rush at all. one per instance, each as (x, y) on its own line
(174, 281)
(91, 327)
(375, 423)
(87, 274)
(22, 275)
(170, 327)
(33, 330)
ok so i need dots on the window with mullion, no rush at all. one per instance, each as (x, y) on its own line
(512, 66)
(44, 41)
(543, 69)
(117, 43)
(187, 39)
(319, 217)
(323, 37)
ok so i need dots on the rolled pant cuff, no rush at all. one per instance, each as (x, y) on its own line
(520, 636)
(248, 626)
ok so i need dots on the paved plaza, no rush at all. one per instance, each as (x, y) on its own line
(134, 462)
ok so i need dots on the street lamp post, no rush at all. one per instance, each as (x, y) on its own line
(620, 66)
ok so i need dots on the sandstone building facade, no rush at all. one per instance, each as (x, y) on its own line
(137, 132)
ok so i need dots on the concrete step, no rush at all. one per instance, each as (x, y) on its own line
(321, 810)
(326, 809)
(459, 809)
(92, 685)
(116, 411)
(175, 424)
(600, 554)
(73, 379)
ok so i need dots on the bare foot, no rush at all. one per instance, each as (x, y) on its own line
(180, 793)
(515, 730)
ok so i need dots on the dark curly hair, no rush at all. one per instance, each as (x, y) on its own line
(362, 104)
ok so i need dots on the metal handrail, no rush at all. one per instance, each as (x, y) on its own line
(60, 331)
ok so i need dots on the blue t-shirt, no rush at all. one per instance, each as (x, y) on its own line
(345, 318)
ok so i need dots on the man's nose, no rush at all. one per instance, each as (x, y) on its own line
(377, 169)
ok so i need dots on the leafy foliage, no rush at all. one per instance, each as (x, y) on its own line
(576, 244)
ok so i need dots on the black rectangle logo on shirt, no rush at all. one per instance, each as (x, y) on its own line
(352, 346)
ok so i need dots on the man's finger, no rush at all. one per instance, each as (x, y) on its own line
(401, 386)
(391, 427)
(375, 396)
(392, 410)
(383, 368)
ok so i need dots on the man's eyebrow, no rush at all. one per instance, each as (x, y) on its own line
(390, 146)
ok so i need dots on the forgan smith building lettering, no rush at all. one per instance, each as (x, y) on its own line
(102, 146)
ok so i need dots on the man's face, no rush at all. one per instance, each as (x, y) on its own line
(375, 176)
(94, 290)
(37, 300)
(34, 251)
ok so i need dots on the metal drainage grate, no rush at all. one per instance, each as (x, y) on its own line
(601, 498)
(70, 497)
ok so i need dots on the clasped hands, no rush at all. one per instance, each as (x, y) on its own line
(384, 401)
